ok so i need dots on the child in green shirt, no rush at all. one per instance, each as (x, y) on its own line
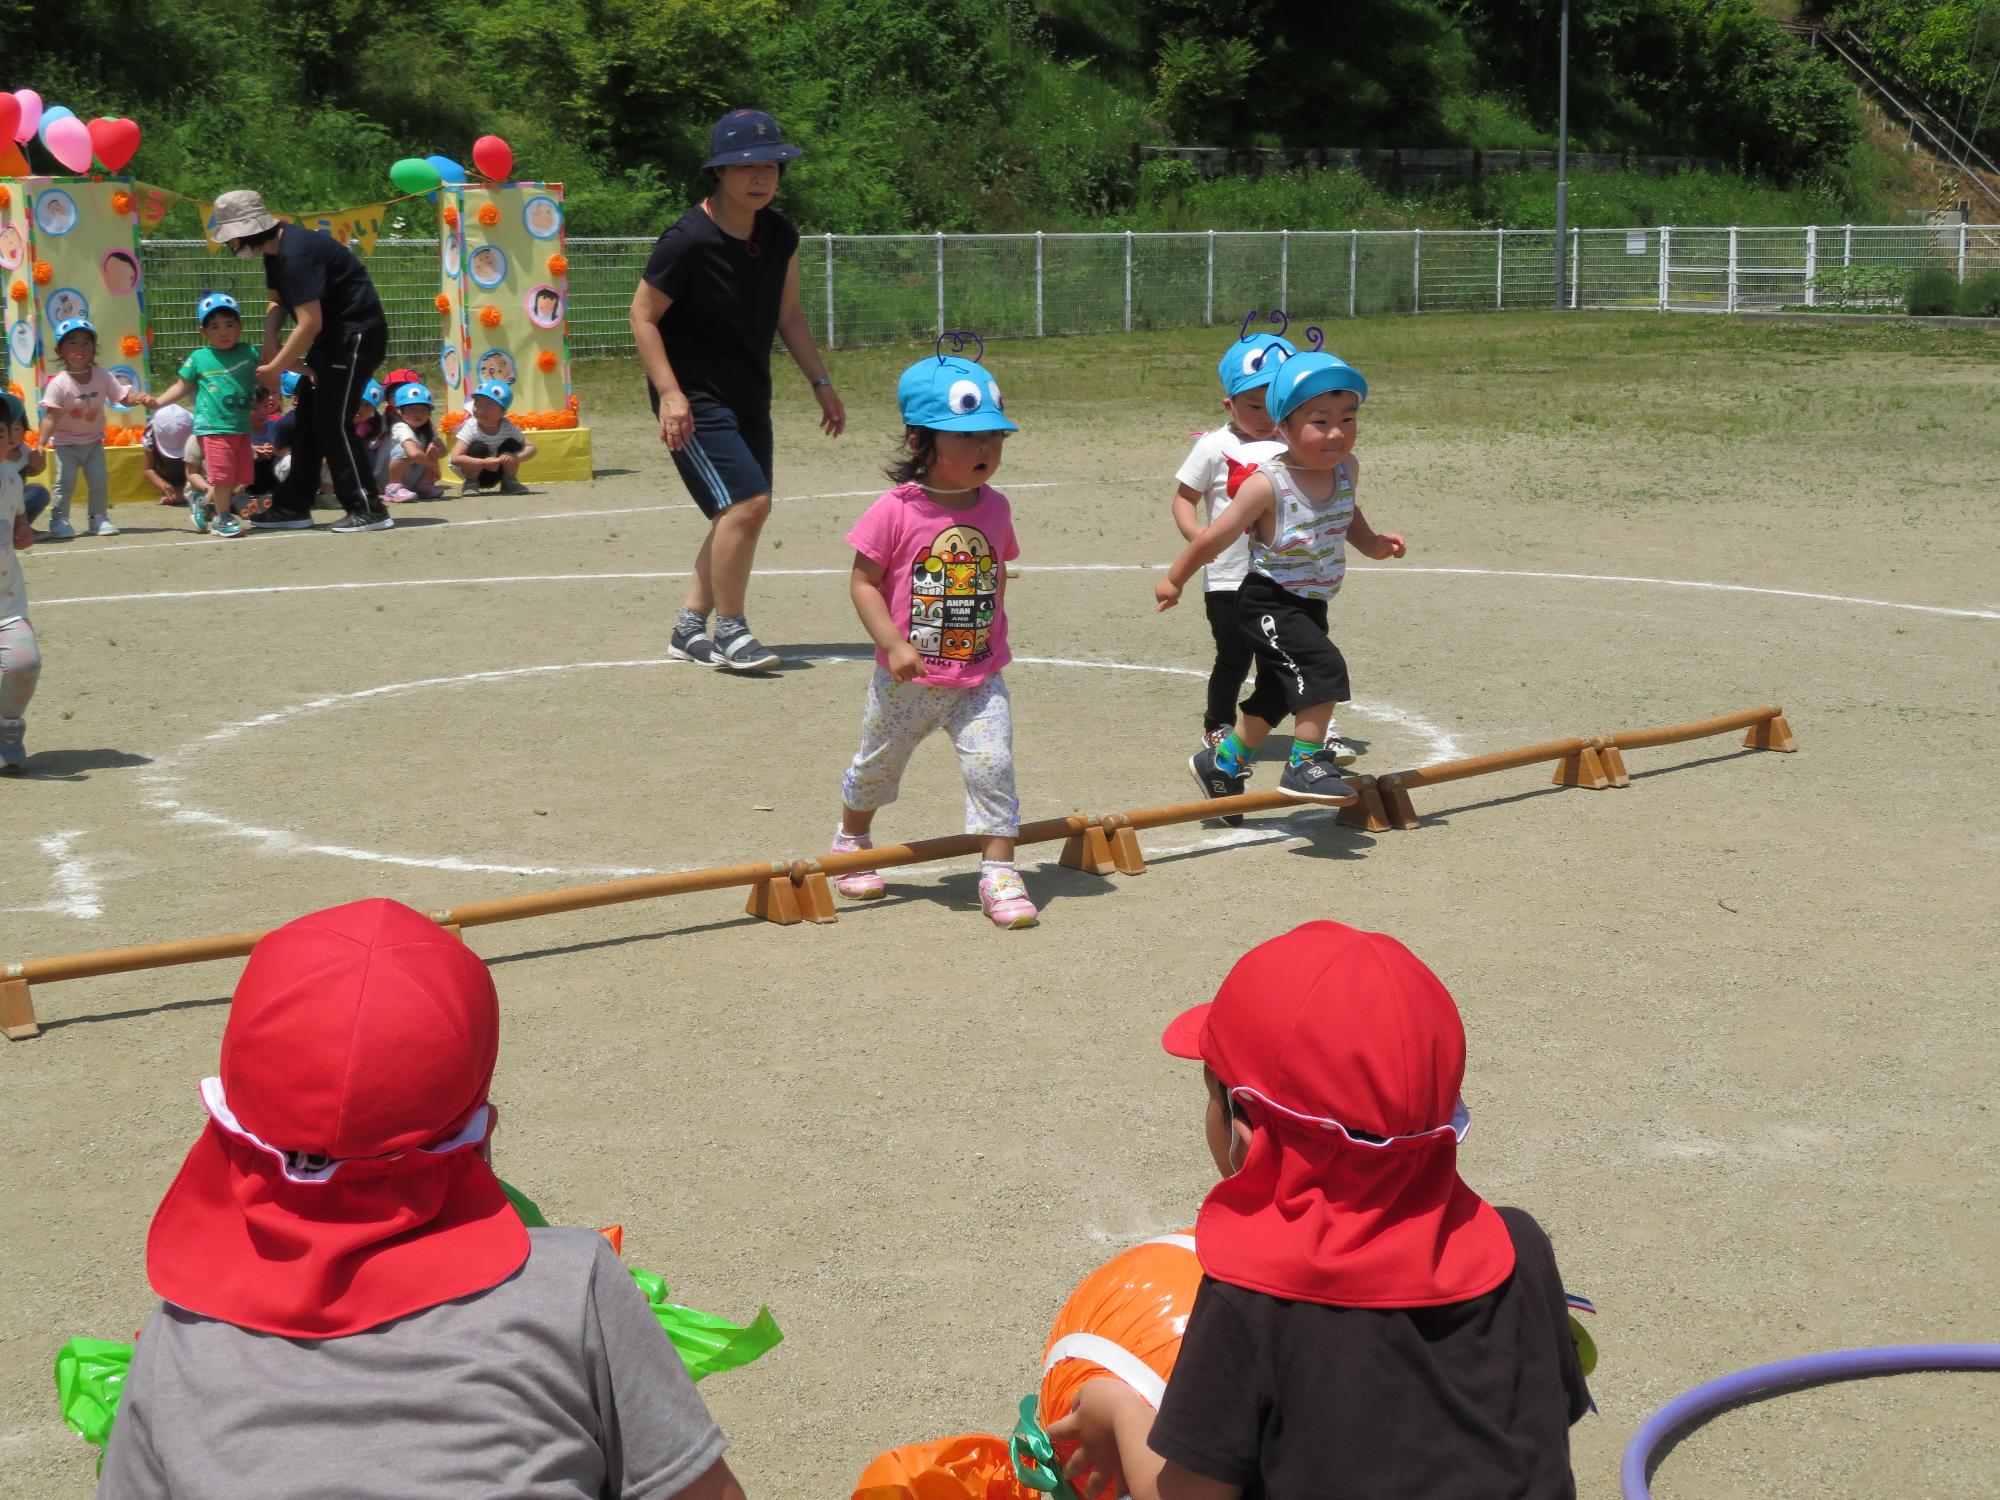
(223, 378)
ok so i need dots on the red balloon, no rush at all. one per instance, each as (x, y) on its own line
(113, 142)
(10, 116)
(494, 157)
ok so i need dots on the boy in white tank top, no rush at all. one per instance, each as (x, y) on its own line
(1299, 513)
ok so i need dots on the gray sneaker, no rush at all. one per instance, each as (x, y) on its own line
(13, 747)
(361, 520)
(691, 645)
(512, 486)
(1317, 778)
(743, 652)
(60, 530)
(1216, 782)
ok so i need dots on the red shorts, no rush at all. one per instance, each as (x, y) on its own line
(228, 459)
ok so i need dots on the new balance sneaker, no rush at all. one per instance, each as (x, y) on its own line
(225, 527)
(362, 520)
(1216, 782)
(13, 747)
(743, 652)
(691, 645)
(278, 520)
(1004, 899)
(1344, 754)
(60, 530)
(857, 885)
(101, 526)
(1317, 778)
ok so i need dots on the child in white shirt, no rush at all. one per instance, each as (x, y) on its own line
(490, 449)
(413, 466)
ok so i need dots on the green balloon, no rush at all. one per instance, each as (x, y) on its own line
(414, 175)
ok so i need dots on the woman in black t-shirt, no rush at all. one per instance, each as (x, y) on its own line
(720, 284)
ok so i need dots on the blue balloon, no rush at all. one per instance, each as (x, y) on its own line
(449, 170)
(51, 114)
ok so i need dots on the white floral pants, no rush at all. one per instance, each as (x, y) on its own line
(901, 715)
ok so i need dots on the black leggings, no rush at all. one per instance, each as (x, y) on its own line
(1232, 659)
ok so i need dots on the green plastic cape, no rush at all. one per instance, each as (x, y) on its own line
(90, 1373)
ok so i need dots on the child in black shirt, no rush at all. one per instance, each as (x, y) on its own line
(1367, 1325)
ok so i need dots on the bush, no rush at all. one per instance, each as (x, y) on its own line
(1860, 288)
(1932, 293)
(1980, 297)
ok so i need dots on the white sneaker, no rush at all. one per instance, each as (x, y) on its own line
(1344, 754)
(101, 526)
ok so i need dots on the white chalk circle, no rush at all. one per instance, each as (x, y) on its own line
(55, 212)
(543, 217)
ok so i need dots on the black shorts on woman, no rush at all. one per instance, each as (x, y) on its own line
(724, 296)
(1298, 664)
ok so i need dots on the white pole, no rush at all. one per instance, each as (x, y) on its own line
(1575, 243)
(1963, 226)
(1500, 271)
(1417, 274)
(1128, 281)
(1812, 261)
(940, 279)
(1732, 268)
(1562, 149)
(1208, 310)
(829, 291)
(1353, 266)
(1285, 268)
(1666, 263)
(1038, 283)
(1847, 249)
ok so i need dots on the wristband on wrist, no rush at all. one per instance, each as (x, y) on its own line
(824, 380)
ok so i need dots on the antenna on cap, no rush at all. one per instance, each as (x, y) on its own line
(958, 338)
(1316, 338)
(1250, 317)
(1282, 318)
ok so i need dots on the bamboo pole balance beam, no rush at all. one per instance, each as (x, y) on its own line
(793, 891)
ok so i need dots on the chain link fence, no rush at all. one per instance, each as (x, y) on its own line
(877, 289)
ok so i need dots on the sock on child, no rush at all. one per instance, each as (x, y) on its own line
(1304, 750)
(1231, 754)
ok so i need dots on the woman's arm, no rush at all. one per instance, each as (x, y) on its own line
(307, 321)
(798, 339)
(649, 305)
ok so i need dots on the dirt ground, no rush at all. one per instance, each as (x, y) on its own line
(1730, 1030)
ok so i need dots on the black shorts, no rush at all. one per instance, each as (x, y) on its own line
(1297, 665)
(727, 460)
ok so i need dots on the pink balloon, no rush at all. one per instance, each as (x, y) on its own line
(69, 143)
(31, 114)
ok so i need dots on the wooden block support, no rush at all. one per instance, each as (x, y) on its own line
(1125, 851)
(1583, 769)
(1613, 761)
(815, 898)
(1772, 734)
(1396, 804)
(775, 900)
(1368, 813)
(1089, 851)
(17, 1011)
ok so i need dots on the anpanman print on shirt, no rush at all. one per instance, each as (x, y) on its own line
(954, 588)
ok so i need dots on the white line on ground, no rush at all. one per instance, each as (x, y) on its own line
(76, 891)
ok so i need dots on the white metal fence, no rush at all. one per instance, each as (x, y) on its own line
(874, 289)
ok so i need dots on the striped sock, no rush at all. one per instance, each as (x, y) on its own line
(1304, 750)
(1231, 755)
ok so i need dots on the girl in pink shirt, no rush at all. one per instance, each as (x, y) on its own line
(929, 584)
(73, 405)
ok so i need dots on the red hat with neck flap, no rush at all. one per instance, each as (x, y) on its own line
(339, 1181)
(1346, 1054)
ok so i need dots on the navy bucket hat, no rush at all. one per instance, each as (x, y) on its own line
(745, 137)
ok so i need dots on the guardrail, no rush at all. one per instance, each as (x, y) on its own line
(791, 891)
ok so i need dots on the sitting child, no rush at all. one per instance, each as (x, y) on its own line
(413, 466)
(341, 1267)
(1364, 1313)
(163, 449)
(266, 417)
(490, 449)
(371, 431)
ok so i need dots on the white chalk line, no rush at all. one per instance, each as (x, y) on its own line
(76, 890)
(509, 579)
(165, 789)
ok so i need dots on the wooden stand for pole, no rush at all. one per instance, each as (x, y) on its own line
(795, 893)
(1396, 806)
(17, 1011)
(1126, 855)
(1582, 768)
(1613, 761)
(1089, 851)
(815, 896)
(775, 900)
(1368, 812)
(1772, 734)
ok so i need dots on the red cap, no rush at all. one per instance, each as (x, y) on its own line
(1346, 1053)
(338, 1183)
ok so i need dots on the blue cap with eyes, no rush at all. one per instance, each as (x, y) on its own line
(948, 394)
(1304, 376)
(1251, 362)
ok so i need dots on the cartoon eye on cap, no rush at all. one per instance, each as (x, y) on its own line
(993, 391)
(964, 397)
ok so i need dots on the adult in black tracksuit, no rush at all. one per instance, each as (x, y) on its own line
(339, 337)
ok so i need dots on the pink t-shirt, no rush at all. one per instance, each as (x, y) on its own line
(941, 568)
(78, 405)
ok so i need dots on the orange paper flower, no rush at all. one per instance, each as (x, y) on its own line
(44, 273)
(572, 404)
(14, 390)
(19, 290)
(122, 437)
(6, 197)
(450, 217)
(443, 302)
(34, 438)
(559, 266)
(546, 361)
(489, 317)
(451, 421)
(132, 346)
(489, 215)
(121, 204)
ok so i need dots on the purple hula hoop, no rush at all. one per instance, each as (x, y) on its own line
(1843, 1364)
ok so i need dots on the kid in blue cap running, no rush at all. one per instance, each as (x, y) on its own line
(1299, 513)
(929, 583)
(1218, 463)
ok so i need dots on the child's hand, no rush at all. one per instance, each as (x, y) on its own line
(1094, 1468)
(1167, 593)
(1387, 544)
(24, 534)
(906, 663)
(263, 450)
